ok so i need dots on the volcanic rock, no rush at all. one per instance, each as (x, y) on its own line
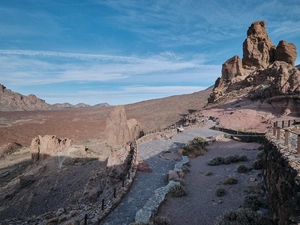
(49, 145)
(258, 49)
(119, 130)
(265, 71)
(12, 101)
(286, 52)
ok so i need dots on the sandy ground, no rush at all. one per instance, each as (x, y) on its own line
(201, 206)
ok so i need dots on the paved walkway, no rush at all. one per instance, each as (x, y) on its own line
(145, 183)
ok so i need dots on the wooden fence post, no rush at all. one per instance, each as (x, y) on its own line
(298, 144)
(85, 219)
(286, 139)
(102, 204)
(282, 124)
(289, 123)
(278, 133)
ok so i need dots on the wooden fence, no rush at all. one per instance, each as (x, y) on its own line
(284, 125)
(114, 192)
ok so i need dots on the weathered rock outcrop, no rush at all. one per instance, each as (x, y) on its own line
(286, 52)
(265, 71)
(258, 49)
(49, 145)
(119, 130)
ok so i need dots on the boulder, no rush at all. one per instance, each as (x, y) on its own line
(172, 175)
(143, 167)
(119, 130)
(286, 52)
(258, 49)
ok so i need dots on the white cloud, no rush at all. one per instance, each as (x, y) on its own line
(44, 67)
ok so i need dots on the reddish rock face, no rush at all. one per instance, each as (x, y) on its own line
(258, 49)
(264, 72)
(286, 52)
(119, 130)
(232, 68)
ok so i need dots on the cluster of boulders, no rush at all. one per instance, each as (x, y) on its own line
(264, 71)
(49, 145)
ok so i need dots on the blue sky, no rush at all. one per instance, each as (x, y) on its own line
(121, 51)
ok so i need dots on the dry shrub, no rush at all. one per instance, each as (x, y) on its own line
(258, 165)
(254, 202)
(220, 192)
(242, 169)
(230, 181)
(227, 160)
(243, 217)
(177, 191)
(195, 147)
(161, 220)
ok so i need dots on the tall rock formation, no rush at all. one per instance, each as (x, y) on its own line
(265, 71)
(258, 49)
(119, 130)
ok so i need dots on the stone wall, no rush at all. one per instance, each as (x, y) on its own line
(282, 177)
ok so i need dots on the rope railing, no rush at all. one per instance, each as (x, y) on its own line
(113, 193)
(284, 125)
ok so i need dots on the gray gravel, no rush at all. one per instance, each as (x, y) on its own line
(146, 183)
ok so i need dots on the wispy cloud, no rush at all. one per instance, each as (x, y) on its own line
(45, 67)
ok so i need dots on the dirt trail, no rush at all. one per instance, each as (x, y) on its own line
(201, 205)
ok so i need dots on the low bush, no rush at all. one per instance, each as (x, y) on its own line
(242, 169)
(243, 217)
(260, 155)
(220, 192)
(161, 220)
(216, 161)
(177, 191)
(258, 164)
(254, 202)
(227, 160)
(209, 173)
(230, 181)
(185, 168)
(195, 147)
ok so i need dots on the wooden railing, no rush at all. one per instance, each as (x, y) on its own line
(284, 125)
(114, 192)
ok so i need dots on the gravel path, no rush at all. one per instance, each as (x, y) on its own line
(201, 206)
(146, 183)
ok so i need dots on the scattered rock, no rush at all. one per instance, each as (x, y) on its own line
(143, 167)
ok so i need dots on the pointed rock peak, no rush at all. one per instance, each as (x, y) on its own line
(258, 49)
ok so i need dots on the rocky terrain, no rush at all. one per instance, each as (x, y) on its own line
(12, 101)
(76, 154)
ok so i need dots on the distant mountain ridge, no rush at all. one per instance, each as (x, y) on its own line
(13, 101)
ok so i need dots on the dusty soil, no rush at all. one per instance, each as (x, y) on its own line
(201, 205)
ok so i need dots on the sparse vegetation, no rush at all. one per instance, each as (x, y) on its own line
(177, 191)
(242, 169)
(209, 173)
(185, 168)
(161, 220)
(258, 164)
(254, 202)
(243, 217)
(195, 147)
(227, 160)
(230, 181)
(220, 192)
(260, 155)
